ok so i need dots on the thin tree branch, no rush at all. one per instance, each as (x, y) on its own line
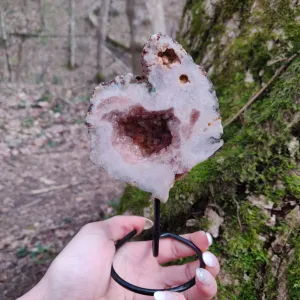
(20, 58)
(119, 63)
(42, 16)
(52, 188)
(238, 214)
(102, 33)
(252, 99)
(38, 35)
(72, 42)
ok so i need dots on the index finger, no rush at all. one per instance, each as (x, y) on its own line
(170, 249)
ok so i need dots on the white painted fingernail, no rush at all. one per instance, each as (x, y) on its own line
(148, 224)
(204, 276)
(164, 296)
(209, 238)
(209, 259)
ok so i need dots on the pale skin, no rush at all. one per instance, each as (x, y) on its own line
(82, 270)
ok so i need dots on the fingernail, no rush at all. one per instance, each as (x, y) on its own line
(209, 238)
(204, 276)
(148, 224)
(209, 259)
(164, 296)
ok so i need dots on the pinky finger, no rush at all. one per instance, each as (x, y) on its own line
(168, 296)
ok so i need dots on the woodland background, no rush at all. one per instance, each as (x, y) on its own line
(53, 53)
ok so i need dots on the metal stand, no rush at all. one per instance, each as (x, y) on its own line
(155, 248)
(156, 228)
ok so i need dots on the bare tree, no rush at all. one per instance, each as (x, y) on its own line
(156, 15)
(20, 59)
(72, 41)
(5, 43)
(132, 7)
(24, 8)
(144, 17)
(42, 15)
(102, 33)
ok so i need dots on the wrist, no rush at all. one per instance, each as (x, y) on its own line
(38, 292)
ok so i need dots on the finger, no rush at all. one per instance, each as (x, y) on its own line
(212, 263)
(177, 275)
(205, 288)
(119, 226)
(168, 296)
(170, 249)
(209, 238)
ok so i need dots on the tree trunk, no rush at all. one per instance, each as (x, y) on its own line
(132, 7)
(5, 43)
(156, 15)
(143, 17)
(72, 42)
(252, 184)
(42, 15)
(102, 33)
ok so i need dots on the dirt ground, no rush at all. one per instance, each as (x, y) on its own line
(48, 186)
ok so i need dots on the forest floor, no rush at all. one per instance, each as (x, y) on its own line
(48, 186)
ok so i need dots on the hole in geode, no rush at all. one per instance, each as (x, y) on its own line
(150, 130)
(168, 57)
(184, 78)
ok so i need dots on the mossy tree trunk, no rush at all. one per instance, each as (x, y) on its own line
(254, 181)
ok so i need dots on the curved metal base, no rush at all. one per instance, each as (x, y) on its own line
(150, 292)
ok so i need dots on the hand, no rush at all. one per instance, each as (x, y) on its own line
(82, 270)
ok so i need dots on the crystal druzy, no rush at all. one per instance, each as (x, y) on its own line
(150, 130)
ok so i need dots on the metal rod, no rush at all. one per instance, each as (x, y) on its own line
(156, 228)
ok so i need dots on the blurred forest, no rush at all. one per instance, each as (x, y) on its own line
(53, 54)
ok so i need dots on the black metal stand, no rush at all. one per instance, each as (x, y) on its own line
(156, 228)
(155, 248)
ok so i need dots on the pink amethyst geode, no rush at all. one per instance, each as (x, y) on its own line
(149, 130)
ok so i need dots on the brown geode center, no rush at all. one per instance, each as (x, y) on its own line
(147, 129)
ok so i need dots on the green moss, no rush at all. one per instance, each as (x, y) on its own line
(293, 270)
(133, 200)
(254, 159)
(226, 292)
(249, 51)
(99, 77)
(243, 252)
(292, 183)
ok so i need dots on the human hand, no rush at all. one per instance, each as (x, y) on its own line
(82, 270)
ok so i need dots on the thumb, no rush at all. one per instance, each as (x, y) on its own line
(118, 227)
(168, 296)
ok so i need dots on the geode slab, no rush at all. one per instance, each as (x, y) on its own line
(150, 130)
